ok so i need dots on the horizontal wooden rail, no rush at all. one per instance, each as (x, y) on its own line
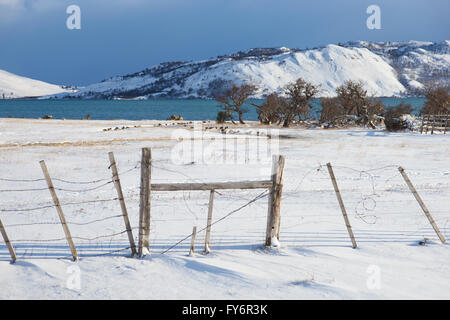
(263, 184)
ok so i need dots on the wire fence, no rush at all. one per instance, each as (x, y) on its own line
(380, 206)
(35, 230)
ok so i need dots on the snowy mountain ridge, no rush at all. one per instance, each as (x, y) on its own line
(417, 63)
(386, 68)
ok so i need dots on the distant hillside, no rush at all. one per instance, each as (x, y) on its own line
(386, 68)
(13, 86)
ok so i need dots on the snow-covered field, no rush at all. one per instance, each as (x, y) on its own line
(315, 259)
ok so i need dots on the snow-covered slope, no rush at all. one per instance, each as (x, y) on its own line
(328, 67)
(418, 63)
(14, 86)
(387, 69)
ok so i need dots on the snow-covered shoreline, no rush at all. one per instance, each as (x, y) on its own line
(315, 260)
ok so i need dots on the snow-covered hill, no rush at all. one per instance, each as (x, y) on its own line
(13, 86)
(417, 63)
(387, 69)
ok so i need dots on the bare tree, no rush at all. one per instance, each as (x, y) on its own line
(233, 99)
(271, 110)
(331, 109)
(438, 101)
(354, 99)
(299, 104)
(352, 103)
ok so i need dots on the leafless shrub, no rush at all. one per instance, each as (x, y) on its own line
(351, 105)
(298, 106)
(392, 117)
(233, 99)
(331, 109)
(438, 101)
(354, 100)
(223, 116)
(271, 110)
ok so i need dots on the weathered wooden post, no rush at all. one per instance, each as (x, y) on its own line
(116, 180)
(7, 242)
(447, 116)
(144, 203)
(421, 127)
(59, 210)
(207, 248)
(341, 204)
(422, 204)
(275, 194)
(433, 124)
(193, 237)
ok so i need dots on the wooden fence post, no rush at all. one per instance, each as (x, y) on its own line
(446, 123)
(116, 180)
(194, 235)
(207, 248)
(7, 242)
(275, 193)
(421, 127)
(427, 124)
(59, 210)
(422, 204)
(433, 123)
(144, 203)
(341, 204)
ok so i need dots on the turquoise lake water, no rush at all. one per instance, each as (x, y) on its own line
(140, 109)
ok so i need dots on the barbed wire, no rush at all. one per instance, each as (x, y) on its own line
(23, 190)
(261, 195)
(68, 222)
(191, 179)
(309, 172)
(364, 209)
(84, 190)
(68, 181)
(361, 208)
(101, 236)
(367, 170)
(362, 215)
(39, 240)
(61, 204)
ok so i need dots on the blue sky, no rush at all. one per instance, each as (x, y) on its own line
(125, 36)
